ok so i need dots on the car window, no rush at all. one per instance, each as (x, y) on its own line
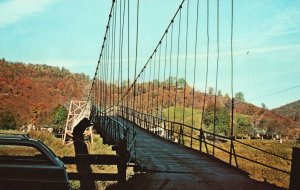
(22, 154)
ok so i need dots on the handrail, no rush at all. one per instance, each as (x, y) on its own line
(115, 130)
(217, 135)
(262, 164)
(284, 158)
(105, 114)
(147, 119)
(116, 123)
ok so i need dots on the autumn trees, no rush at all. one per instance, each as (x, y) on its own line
(8, 121)
(33, 91)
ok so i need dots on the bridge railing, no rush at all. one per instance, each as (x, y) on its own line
(117, 133)
(214, 144)
(111, 129)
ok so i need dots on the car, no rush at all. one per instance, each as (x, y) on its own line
(27, 163)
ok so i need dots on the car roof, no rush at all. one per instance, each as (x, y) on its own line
(24, 139)
(13, 136)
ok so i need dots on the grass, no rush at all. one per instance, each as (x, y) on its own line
(257, 171)
(189, 119)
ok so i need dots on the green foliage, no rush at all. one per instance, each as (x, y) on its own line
(243, 126)
(188, 119)
(263, 124)
(181, 83)
(239, 97)
(59, 117)
(170, 81)
(7, 121)
(210, 90)
(222, 119)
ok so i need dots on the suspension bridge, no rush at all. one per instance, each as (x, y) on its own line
(154, 114)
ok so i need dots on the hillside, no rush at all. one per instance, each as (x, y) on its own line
(291, 110)
(246, 114)
(31, 92)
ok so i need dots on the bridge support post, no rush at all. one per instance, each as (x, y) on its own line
(200, 139)
(295, 170)
(122, 152)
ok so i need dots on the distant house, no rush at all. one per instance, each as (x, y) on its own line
(264, 134)
(28, 128)
(158, 127)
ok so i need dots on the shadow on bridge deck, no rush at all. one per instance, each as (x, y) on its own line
(170, 166)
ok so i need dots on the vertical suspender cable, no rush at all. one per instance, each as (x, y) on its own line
(128, 54)
(154, 69)
(207, 59)
(217, 73)
(106, 68)
(143, 90)
(232, 98)
(111, 63)
(148, 107)
(165, 67)
(136, 48)
(185, 61)
(170, 62)
(177, 62)
(101, 81)
(103, 72)
(158, 82)
(195, 62)
(114, 54)
(98, 91)
(122, 38)
(119, 53)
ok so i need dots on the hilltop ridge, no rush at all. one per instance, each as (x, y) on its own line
(291, 110)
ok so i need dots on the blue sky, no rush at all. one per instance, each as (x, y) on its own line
(69, 33)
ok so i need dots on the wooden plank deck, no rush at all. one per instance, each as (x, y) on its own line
(171, 166)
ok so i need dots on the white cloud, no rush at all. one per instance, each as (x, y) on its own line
(15, 10)
(284, 22)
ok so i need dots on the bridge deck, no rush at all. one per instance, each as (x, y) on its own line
(170, 166)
